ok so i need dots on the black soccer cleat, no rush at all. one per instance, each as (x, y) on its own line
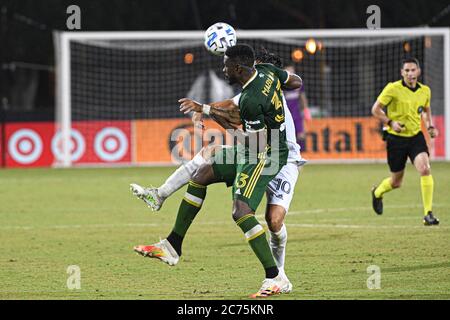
(430, 220)
(377, 203)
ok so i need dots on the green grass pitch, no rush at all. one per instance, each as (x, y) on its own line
(53, 218)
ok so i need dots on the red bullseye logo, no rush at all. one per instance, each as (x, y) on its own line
(25, 146)
(77, 145)
(110, 144)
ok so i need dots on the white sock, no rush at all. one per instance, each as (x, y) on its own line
(278, 246)
(180, 177)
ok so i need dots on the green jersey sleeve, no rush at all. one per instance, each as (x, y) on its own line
(281, 74)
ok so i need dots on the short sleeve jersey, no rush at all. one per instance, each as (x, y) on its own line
(405, 105)
(261, 103)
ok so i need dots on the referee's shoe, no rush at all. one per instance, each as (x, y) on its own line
(430, 220)
(377, 203)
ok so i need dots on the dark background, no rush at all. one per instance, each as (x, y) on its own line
(26, 45)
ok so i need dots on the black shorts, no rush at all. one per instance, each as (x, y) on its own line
(400, 148)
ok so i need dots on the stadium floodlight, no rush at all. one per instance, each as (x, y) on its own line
(136, 78)
(311, 46)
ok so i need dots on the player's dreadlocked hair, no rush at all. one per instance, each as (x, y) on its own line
(264, 56)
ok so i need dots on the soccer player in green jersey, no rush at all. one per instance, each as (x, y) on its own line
(407, 102)
(262, 115)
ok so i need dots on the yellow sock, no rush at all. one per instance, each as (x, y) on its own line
(427, 186)
(384, 186)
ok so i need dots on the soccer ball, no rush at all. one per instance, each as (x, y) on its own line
(219, 37)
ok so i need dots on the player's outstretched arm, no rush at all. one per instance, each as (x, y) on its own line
(227, 110)
(225, 113)
(294, 82)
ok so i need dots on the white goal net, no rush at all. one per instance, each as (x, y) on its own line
(118, 91)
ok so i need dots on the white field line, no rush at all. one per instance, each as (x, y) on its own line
(261, 218)
(325, 210)
(80, 226)
(154, 225)
(310, 212)
(356, 226)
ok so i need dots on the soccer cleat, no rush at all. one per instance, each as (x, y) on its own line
(377, 203)
(288, 287)
(272, 287)
(430, 220)
(162, 250)
(148, 195)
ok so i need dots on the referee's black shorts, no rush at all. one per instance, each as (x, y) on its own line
(400, 148)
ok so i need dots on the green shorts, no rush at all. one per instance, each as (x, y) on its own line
(224, 165)
(248, 178)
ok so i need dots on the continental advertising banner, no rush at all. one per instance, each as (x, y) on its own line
(171, 141)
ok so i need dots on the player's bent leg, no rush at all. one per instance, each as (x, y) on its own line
(397, 155)
(388, 184)
(155, 197)
(397, 179)
(245, 218)
(422, 164)
(170, 248)
(280, 192)
(275, 215)
(191, 204)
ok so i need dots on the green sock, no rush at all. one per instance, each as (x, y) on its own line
(385, 186)
(189, 207)
(256, 237)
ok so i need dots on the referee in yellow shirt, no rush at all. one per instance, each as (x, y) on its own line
(407, 102)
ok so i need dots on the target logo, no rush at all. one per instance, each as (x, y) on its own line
(110, 144)
(77, 145)
(25, 146)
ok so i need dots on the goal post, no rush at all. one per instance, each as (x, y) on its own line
(117, 92)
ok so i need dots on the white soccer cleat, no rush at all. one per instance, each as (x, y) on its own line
(272, 287)
(148, 195)
(162, 250)
(288, 287)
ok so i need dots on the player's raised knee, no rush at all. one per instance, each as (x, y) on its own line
(274, 223)
(424, 170)
(203, 175)
(396, 184)
(240, 209)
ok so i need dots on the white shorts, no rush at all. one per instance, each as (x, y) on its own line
(281, 189)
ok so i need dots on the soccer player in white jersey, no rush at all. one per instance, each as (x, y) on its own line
(279, 191)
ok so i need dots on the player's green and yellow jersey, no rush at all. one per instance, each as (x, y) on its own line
(261, 104)
(405, 105)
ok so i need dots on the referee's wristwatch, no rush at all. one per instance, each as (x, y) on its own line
(389, 122)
